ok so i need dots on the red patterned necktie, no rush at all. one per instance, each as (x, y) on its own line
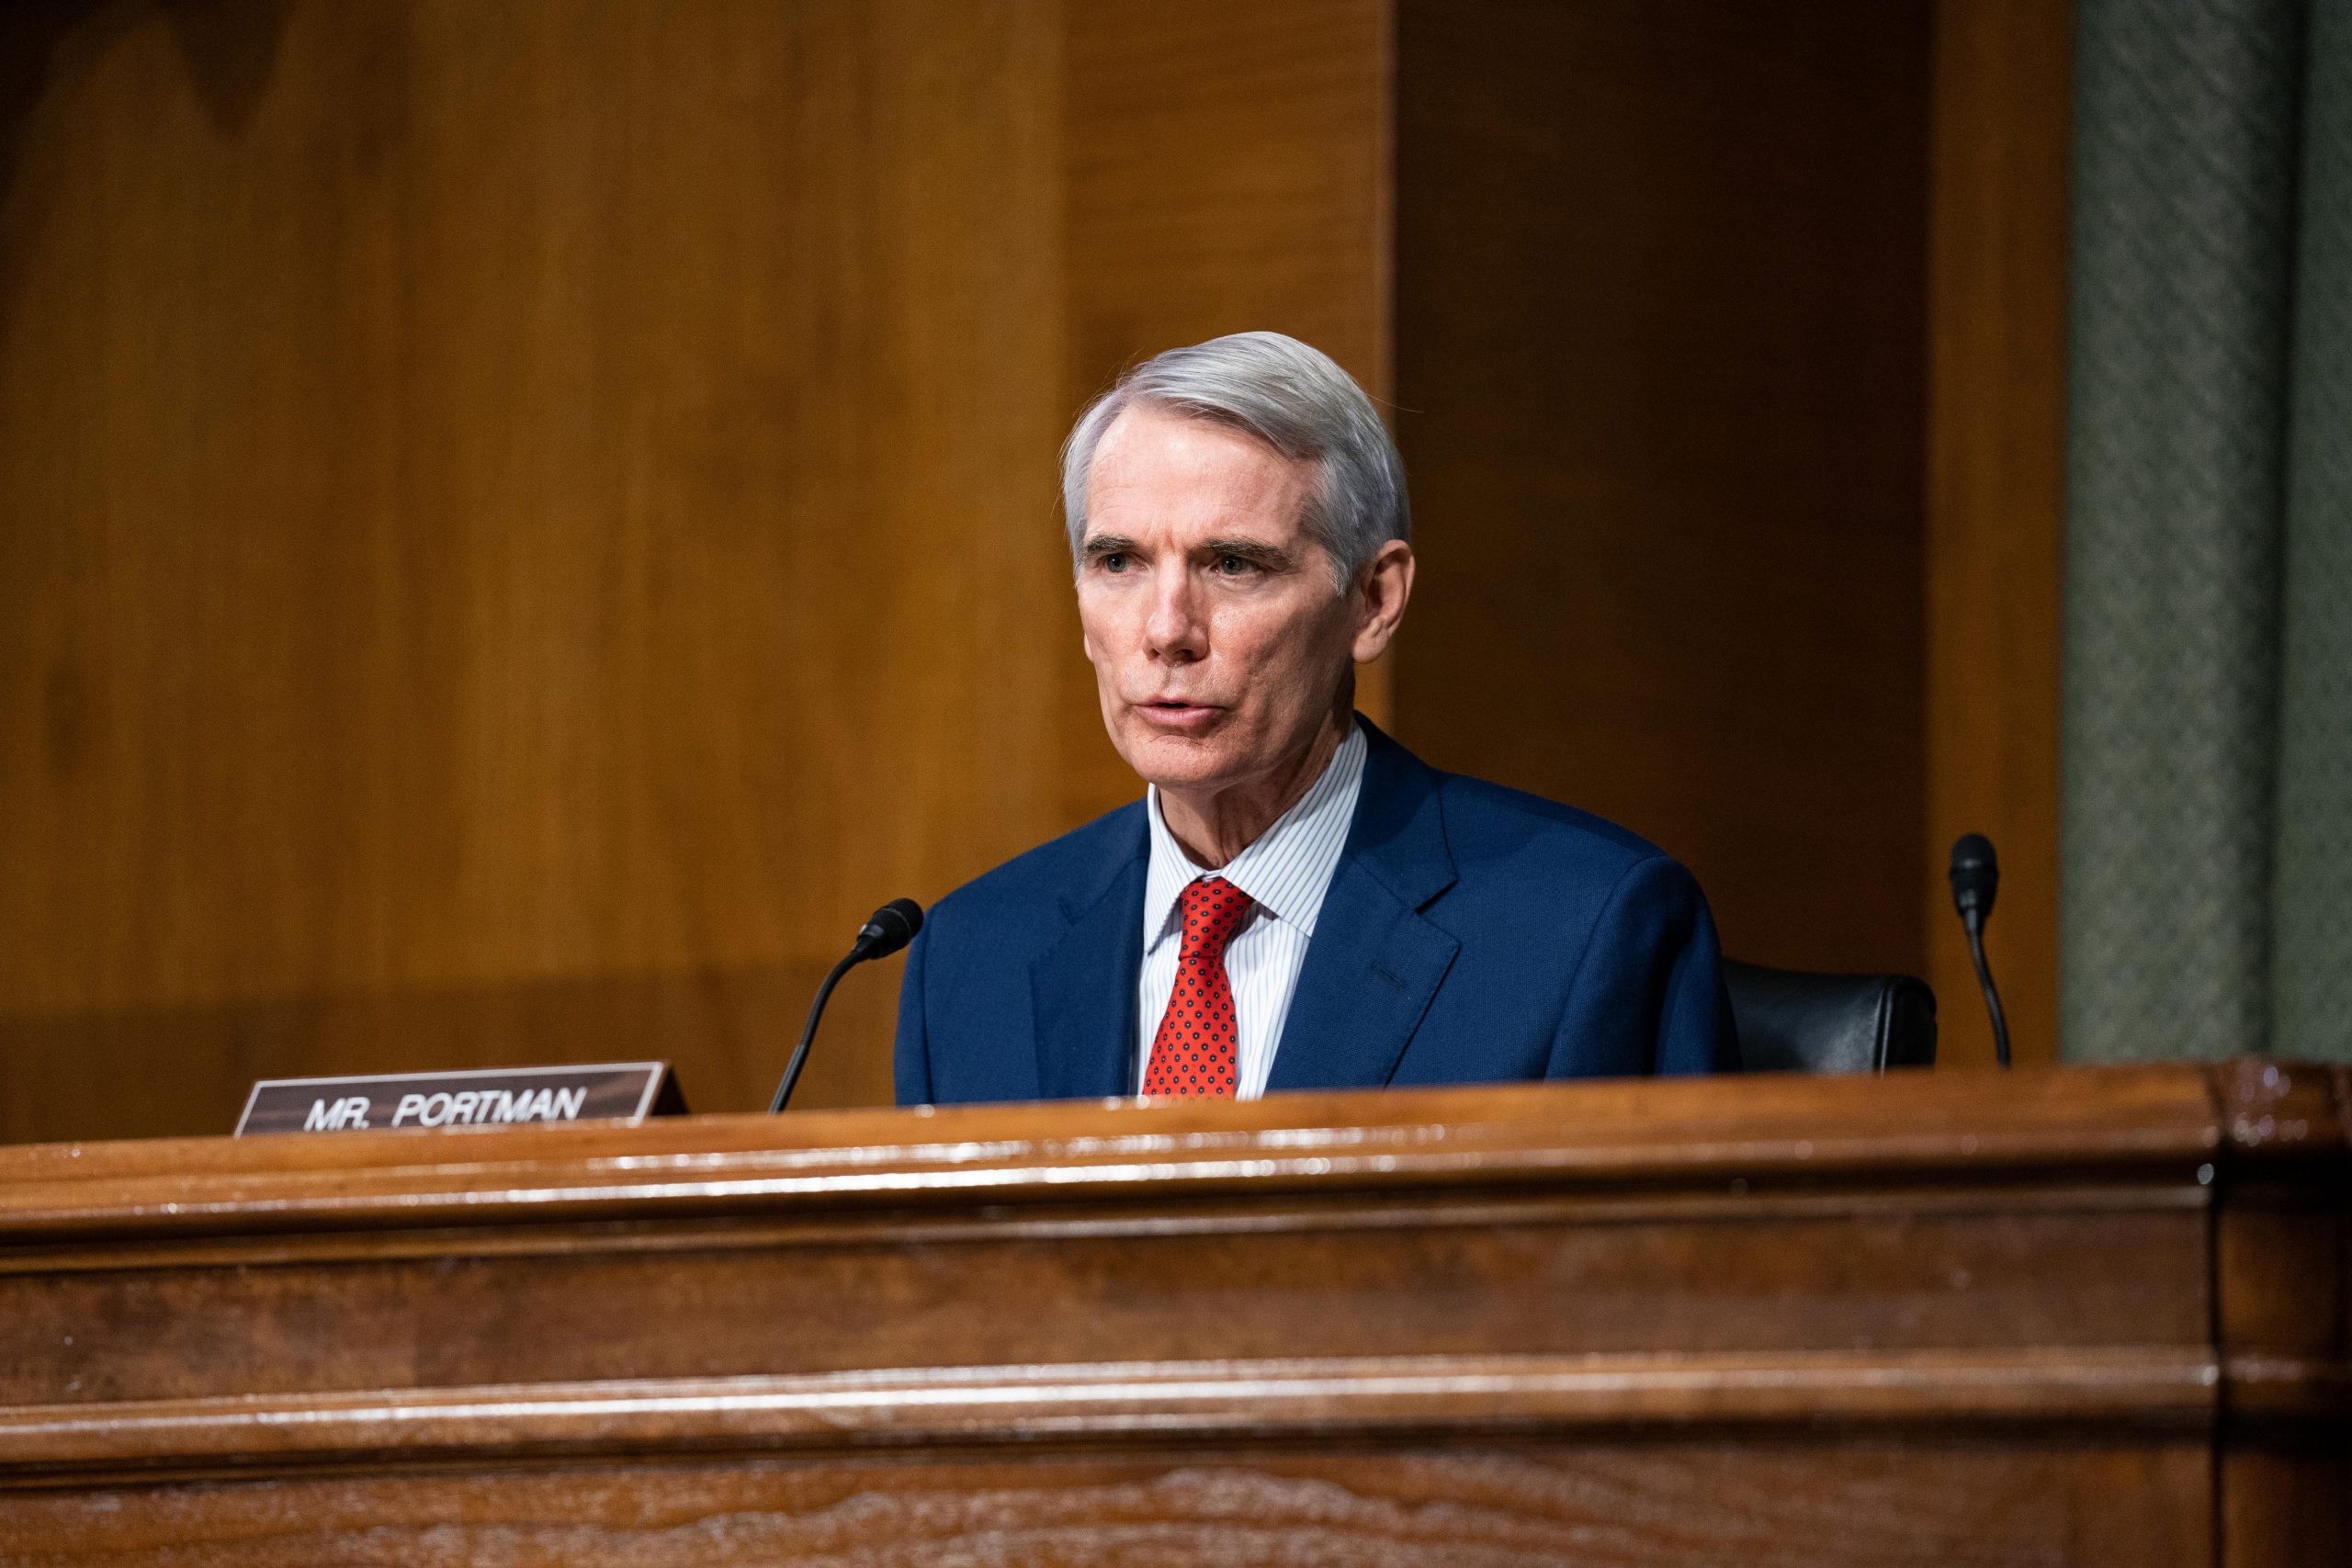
(1198, 1050)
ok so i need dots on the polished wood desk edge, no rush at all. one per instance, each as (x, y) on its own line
(2138, 1388)
(2170, 1119)
(2078, 1142)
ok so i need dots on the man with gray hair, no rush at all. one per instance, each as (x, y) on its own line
(1298, 902)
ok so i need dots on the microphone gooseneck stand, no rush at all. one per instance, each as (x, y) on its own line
(1975, 925)
(1975, 877)
(891, 927)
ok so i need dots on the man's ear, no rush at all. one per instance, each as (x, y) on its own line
(1381, 595)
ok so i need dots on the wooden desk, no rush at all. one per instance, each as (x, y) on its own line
(2062, 1317)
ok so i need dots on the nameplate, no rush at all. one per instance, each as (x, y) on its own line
(500, 1096)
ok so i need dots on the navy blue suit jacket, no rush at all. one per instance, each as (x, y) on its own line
(1471, 934)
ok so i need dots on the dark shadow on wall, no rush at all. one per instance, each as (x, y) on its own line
(32, 36)
(229, 47)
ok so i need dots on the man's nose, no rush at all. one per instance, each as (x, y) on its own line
(1175, 631)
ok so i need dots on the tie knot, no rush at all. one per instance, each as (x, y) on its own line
(1214, 909)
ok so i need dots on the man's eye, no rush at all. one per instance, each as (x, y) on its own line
(1115, 560)
(1233, 565)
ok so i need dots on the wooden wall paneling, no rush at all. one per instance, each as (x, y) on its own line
(1659, 295)
(1996, 482)
(495, 497)
(524, 523)
(1229, 170)
(161, 1072)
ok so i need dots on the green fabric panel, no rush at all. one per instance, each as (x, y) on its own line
(2312, 988)
(2183, 220)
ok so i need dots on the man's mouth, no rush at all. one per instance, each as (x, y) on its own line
(1178, 713)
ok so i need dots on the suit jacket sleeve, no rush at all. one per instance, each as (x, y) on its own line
(1649, 995)
(911, 1054)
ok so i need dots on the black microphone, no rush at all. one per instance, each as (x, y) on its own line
(1975, 877)
(889, 928)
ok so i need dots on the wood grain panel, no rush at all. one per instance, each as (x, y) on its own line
(522, 523)
(1229, 170)
(2286, 1505)
(1824, 1503)
(166, 1072)
(1995, 448)
(458, 484)
(752, 1301)
(1660, 275)
(2283, 1288)
(1724, 1134)
(2040, 1213)
(1336, 1328)
(2151, 1393)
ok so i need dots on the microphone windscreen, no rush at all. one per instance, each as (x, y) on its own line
(1975, 873)
(891, 927)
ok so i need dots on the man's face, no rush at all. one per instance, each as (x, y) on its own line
(1218, 640)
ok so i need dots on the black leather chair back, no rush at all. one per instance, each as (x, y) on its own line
(1793, 1022)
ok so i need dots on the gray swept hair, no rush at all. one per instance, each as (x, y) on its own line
(1295, 398)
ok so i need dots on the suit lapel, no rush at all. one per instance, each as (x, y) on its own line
(1374, 963)
(1082, 989)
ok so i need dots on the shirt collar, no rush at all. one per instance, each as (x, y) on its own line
(1289, 866)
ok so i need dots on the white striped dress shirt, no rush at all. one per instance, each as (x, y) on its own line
(1285, 873)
